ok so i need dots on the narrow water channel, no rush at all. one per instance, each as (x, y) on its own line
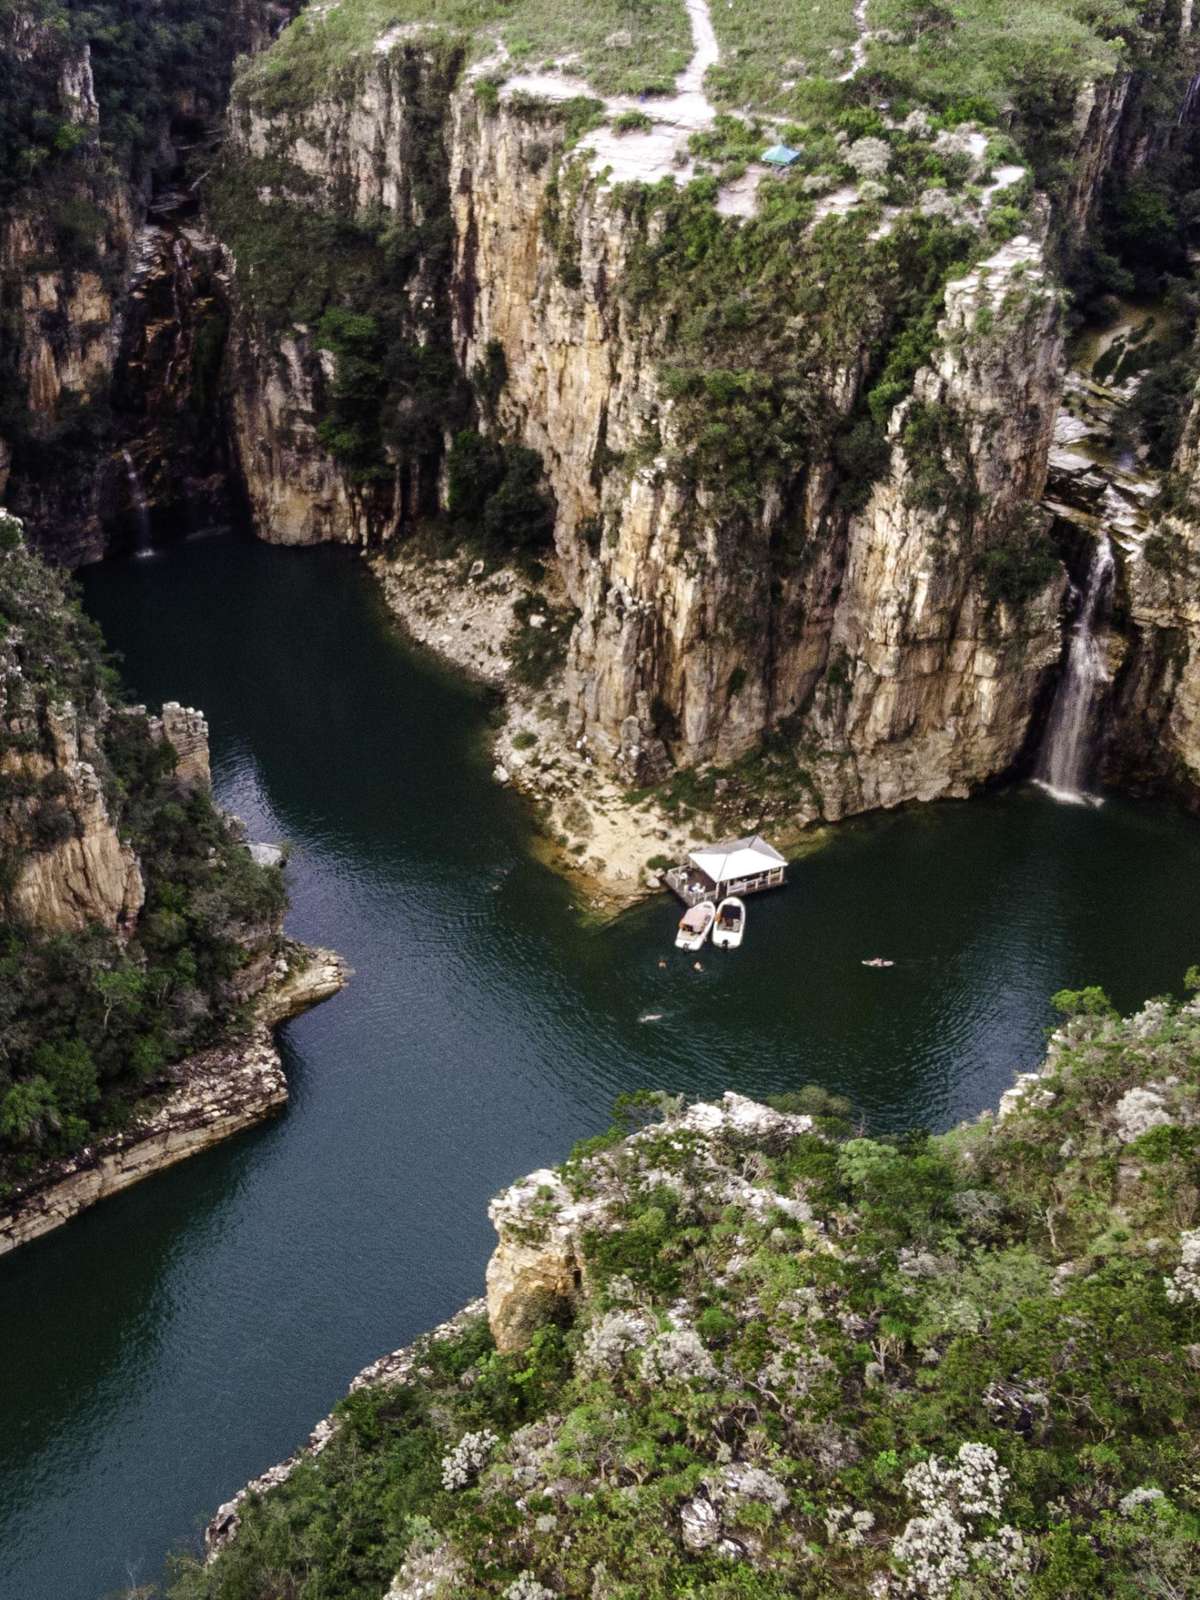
(178, 1339)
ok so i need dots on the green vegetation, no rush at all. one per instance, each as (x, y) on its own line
(772, 784)
(752, 410)
(618, 46)
(538, 648)
(1019, 562)
(495, 494)
(783, 54)
(89, 1021)
(993, 60)
(152, 61)
(809, 1363)
(984, 61)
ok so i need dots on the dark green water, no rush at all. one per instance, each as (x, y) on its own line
(178, 1339)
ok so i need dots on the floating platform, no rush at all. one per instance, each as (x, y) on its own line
(733, 867)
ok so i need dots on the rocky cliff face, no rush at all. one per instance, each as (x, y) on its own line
(886, 641)
(59, 260)
(408, 251)
(74, 869)
(377, 153)
(64, 864)
(1156, 708)
(70, 867)
(111, 322)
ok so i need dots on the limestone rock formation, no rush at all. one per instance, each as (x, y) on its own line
(90, 876)
(535, 1269)
(892, 663)
(1158, 695)
(113, 330)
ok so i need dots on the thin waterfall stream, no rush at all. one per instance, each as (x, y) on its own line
(1062, 768)
(141, 510)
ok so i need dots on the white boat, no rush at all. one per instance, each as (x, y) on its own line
(694, 925)
(730, 926)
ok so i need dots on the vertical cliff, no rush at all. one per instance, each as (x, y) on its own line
(796, 434)
(63, 244)
(110, 322)
(1156, 703)
(334, 210)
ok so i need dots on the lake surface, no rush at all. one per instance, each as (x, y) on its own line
(180, 1338)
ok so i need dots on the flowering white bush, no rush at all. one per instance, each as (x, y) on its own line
(527, 1587)
(1143, 1496)
(940, 1547)
(740, 1482)
(934, 1552)
(466, 1461)
(869, 157)
(608, 1341)
(1138, 1111)
(847, 1527)
(1184, 1284)
(678, 1354)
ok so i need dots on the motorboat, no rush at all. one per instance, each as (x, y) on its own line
(730, 926)
(695, 925)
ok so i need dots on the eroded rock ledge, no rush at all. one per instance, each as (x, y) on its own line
(207, 1098)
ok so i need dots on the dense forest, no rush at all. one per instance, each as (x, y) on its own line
(92, 1018)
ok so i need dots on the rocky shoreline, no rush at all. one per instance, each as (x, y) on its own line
(211, 1096)
(394, 1368)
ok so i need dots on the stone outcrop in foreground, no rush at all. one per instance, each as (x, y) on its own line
(746, 1351)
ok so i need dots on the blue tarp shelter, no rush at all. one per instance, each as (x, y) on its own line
(780, 155)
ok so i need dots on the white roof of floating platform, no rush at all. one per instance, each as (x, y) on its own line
(736, 858)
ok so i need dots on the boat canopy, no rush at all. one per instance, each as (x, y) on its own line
(695, 917)
(736, 859)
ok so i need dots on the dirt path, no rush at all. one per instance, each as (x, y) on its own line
(858, 52)
(647, 155)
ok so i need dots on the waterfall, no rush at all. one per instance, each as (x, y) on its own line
(141, 510)
(1062, 764)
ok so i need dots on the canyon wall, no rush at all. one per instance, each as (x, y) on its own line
(1155, 738)
(61, 258)
(405, 252)
(111, 314)
(902, 645)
